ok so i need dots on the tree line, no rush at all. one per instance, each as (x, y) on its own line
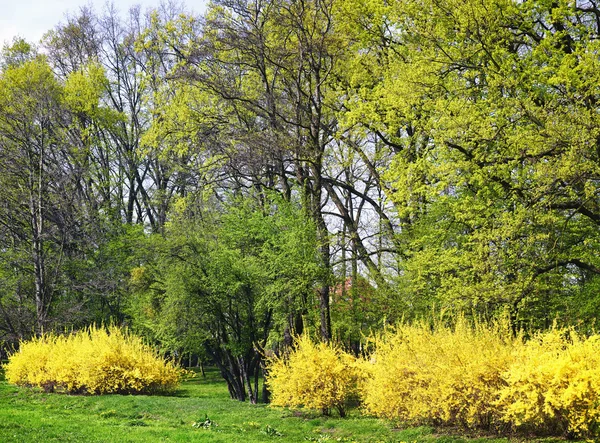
(220, 182)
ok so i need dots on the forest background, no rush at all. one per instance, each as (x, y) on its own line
(221, 182)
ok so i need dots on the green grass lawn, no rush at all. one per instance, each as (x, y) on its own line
(32, 416)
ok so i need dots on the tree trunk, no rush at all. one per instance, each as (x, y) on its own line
(37, 246)
(245, 372)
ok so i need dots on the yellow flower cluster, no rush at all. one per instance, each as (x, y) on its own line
(439, 375)
(554, 385)
(93, 361)
(315, 376)
(483, 376)
(474, 376)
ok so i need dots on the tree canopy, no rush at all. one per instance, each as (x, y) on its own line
(222, 182)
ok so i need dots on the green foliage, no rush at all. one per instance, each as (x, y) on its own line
(358, 308)
(93, 361)
(83, 89)
(492, 120)
(219, 283)
(51, 239)
(25, 89)
(31, 138)
(207, 423)
(271, 431)
(17, 53)
(101, 274)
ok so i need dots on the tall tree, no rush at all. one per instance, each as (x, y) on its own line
(269, 65)
(38, 197)
(490, 111)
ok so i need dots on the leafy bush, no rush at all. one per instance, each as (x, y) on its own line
(440, 375)
(553, 386)
(94, 361)
(314, 376)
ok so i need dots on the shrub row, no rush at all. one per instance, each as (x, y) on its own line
(469, 376)
(92, 361)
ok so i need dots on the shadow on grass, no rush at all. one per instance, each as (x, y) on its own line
(211, 382)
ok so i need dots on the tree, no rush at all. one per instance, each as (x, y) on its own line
(490, 111)
(30, 135)
(226, 282)
(257, 92)
(52, 228)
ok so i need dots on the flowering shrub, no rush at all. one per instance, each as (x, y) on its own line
(441, 375)
(94, 361)
(314, 376)
(553, 386)
(483, 377)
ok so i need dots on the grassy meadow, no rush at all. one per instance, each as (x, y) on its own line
(33, 416)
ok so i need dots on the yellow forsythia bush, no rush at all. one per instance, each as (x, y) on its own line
(314, 376)
(553, 385)
(93, 361)
(441, 375)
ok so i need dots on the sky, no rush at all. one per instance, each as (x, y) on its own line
(31, 19)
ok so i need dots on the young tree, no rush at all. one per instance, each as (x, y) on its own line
(226, 283)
